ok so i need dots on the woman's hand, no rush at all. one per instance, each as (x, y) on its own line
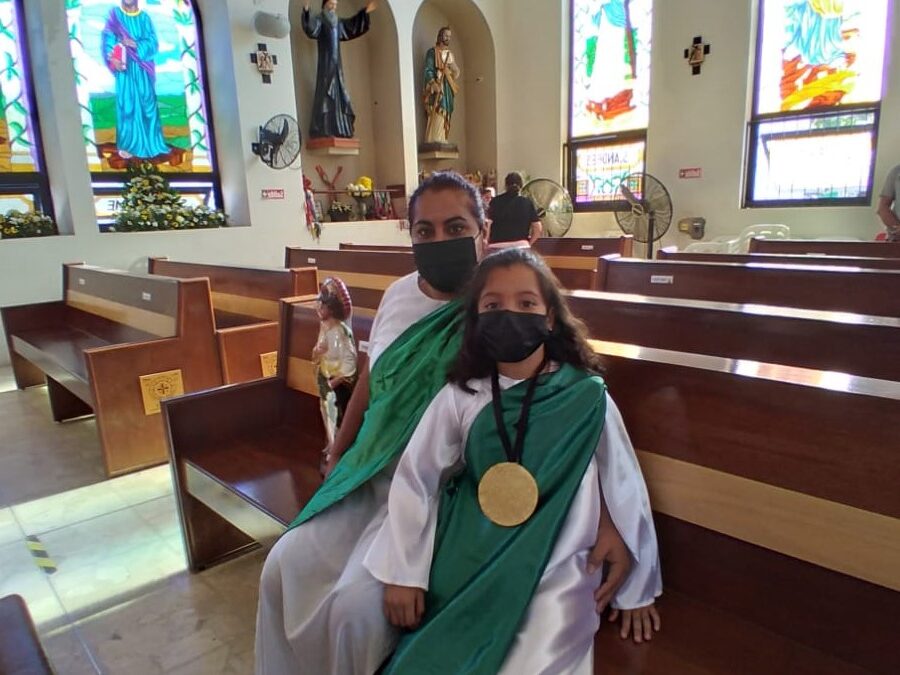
(640, 623)
(404, 605)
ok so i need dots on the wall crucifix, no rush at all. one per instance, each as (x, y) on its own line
(696, 54)
(265, 62)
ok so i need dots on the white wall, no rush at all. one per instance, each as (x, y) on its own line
(694, 120)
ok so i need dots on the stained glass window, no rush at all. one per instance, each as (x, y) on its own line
(141, 87)
(23, 186)
(610, 96)
(599, 169)
(819, 74)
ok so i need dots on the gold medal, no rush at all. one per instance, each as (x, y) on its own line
(507, 494)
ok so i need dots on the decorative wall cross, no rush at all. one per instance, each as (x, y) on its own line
(265, 62)
(696, 54)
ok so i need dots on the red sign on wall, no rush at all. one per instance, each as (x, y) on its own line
(272, 193)
(691, 172)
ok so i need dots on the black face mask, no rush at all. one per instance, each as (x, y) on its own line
(446, 265)
(510, 337)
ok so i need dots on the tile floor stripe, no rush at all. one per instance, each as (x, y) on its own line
(40, 555)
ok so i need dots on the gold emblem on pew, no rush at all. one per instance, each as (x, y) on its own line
(269, 362)
(157, 386)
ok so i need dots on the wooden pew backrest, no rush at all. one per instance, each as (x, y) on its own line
(243, 291)
(366, 273)
(758, 500)
(872, 292)
(873, 249)
(781, 259)
(144, 303)
(585, 246)
(347, 246)
(865, 346)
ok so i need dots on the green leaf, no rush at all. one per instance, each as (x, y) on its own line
(19, 108)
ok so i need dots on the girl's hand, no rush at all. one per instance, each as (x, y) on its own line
(336, 382)
(641, 623)
(404, 605)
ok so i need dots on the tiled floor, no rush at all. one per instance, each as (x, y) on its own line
(121, 599)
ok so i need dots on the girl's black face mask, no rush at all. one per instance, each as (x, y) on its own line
(446, 265)
(510, 337)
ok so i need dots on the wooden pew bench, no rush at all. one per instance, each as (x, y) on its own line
(245, 303)
(867, 346)
(869, 249)
(20, 649)
(246, 456)
(776, 507)
(110, 330)
(671, 253)
(366, 273)
(574, 260)
(838, 289)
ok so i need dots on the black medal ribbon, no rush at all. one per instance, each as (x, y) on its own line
(514, 453)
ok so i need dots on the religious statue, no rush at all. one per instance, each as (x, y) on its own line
(333, 114)
(130, 46)
(441, 73)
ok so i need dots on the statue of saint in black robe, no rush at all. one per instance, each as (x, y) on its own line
(332, 112)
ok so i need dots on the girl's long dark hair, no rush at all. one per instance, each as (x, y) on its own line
(567, 343)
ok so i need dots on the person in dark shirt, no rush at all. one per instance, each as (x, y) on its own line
(513, 216)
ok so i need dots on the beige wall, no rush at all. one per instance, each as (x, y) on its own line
(694, 120)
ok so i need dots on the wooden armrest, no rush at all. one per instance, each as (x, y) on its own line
(214, 415)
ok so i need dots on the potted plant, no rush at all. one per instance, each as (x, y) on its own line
(18, 225)
(339, 212)
(150, 204)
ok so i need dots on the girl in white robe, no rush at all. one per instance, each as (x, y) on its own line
(555, 633)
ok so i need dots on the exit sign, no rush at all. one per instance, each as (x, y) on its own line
(272, 193)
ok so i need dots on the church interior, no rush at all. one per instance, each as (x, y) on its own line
(716, 184)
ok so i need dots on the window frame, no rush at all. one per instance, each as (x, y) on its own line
(99, 179)
(34, 183)
(575, 143)
(757, 119)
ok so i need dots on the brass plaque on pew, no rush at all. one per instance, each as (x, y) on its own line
(269, 362)
(157, 386)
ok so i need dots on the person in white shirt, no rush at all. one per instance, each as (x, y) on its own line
(889, 204)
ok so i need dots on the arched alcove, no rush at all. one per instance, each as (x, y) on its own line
(474, 125)
(371, 67)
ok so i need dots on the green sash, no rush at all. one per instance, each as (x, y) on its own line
(410, 372)
(483, 576)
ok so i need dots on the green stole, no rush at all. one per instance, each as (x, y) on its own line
(404, 379)
(483, 576)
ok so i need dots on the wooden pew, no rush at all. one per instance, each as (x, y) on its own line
(246, 306)
(575, 260)
(93, 347)
(375, 247)
(777, 511)
(874, 292)
(868, 249)
(246, 456)
(867, 346)
(20, 647)
(671, 253)
(366, 273)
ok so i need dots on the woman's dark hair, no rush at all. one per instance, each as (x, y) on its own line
(568, 340)
(449, 180)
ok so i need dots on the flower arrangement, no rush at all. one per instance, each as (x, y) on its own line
(361, 188)
(151, 204)
(339, 211)
(18, 225)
